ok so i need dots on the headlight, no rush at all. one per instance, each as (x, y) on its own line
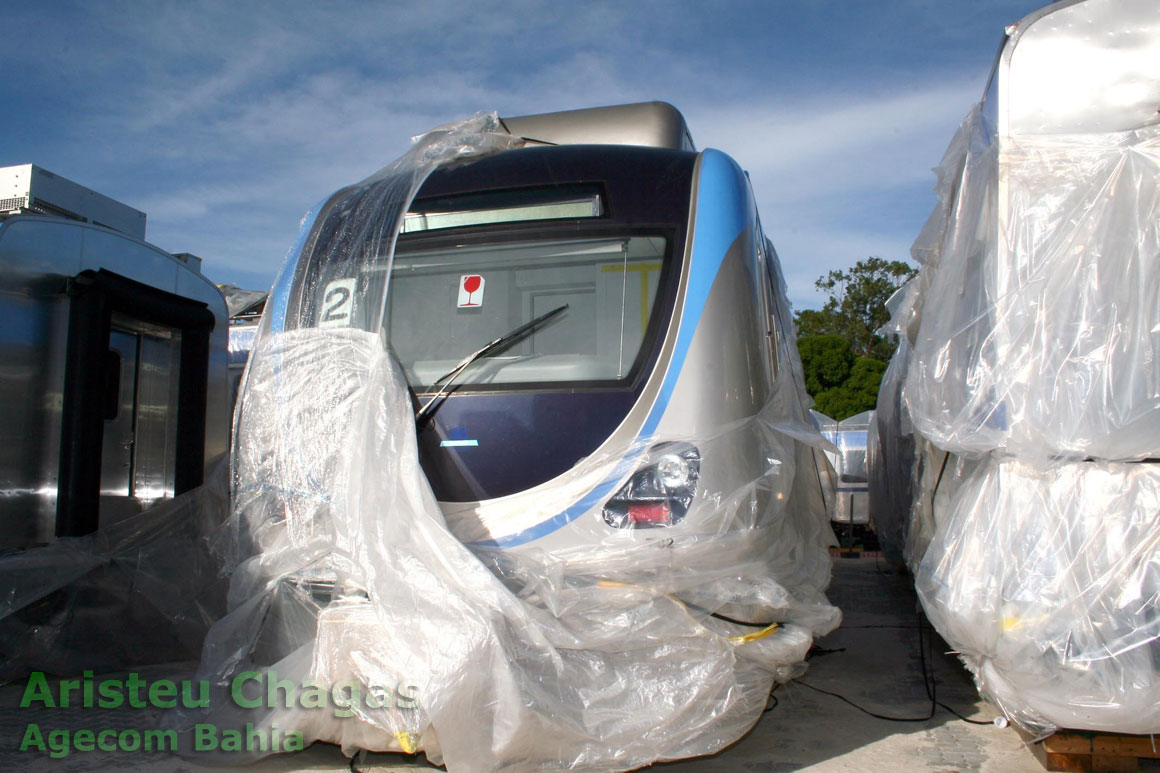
(660, 491)
(674, 471)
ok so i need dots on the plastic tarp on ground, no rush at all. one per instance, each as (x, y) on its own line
(1030, 512)
(345, 573)
(144, 590)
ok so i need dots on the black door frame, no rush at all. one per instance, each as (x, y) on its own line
(95, 297)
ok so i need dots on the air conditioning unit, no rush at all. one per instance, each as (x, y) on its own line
(28, 189)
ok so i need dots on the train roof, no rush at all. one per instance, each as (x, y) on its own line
(1078, 67)
(652, 124)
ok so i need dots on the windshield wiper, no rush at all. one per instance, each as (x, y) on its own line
(497, 345)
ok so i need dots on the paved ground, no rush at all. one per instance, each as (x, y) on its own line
(872, 660)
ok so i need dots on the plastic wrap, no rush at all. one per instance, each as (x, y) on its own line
(1032, 378)
(239, 300)
(1048, 582)
(597, 655)
(890, 460)
(1045, 277)
(142, 591)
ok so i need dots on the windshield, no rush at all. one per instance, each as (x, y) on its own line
(446, 303)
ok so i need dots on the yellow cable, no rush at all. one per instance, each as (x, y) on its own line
(755, 635)
(408, 741)
(743, 639)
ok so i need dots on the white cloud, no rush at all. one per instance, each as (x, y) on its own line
(810, 251)
(837, 142)
(839, 177)
(225, 121)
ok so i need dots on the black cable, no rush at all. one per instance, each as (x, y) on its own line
(816, 651)
(720, 616)
(928, 680)
(929, 683)
(928, 677)
(938, 482)
(864, 710)
(771, 701)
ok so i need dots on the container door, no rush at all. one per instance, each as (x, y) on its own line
(139, 440)
(117, 440)
(132, 350)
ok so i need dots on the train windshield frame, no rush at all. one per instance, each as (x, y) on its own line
(535, 195)
(453, 291)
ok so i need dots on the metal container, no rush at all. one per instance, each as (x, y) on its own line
(28, 189)
(112, 378)
(851, 503)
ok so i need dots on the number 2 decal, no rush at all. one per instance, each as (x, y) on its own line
(337, 304)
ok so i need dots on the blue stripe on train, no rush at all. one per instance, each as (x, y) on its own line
(722, 215)
(280, 295)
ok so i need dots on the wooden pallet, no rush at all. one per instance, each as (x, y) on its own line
(1089, 752)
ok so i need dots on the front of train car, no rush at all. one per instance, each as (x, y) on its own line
(524, 431)
(640, 426)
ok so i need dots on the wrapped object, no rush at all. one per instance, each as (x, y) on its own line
(1042, 261)
(850, 437)
(1033, 380)
(890, 460)
(1047, 580)
(479, 635)
(240, 301)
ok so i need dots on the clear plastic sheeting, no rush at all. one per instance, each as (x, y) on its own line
(346, 574)
(1046, 280)
(1047, 581)
(239, 300)
(1018, 470)
(890, 460)
(144, 590)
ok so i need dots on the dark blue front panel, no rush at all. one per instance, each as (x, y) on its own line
(483, 446)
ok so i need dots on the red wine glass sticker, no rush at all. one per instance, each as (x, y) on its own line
(470, 291)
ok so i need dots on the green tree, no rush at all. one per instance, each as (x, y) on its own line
(856, 307)
(826, 361)
(857, 393)
(842, 354)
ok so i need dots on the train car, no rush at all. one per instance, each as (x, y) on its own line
(114, 372)
(574, 324)
(630, 330)
(1024, 391)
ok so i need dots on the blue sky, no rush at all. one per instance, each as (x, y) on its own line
(226, 121)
